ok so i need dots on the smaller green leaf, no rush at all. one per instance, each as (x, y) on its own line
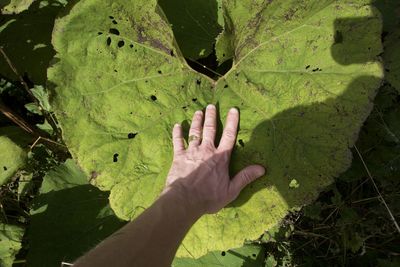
(5, 85)
(10, 243)
(42, 96)
(354, 242)
(16, 6)
(33, 108)
(68, 218)
(270, 261)
(45, 126)
(313, 211)
(12, 158)
(294, 184)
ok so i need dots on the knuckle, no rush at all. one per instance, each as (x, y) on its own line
(209, 127)
(247, 178)
(195, 130)
(229, 133)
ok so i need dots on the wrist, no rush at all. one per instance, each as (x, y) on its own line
(177, 196)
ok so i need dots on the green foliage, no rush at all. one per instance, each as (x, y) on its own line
(348, 224)
(10, 243)
(310, 67)
(68, 218)
(25, 38)
(12, 158)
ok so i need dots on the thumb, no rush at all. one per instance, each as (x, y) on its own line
(245, 177)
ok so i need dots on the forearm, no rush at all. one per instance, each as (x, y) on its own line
(150, 240)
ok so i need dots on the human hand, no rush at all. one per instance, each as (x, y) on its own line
(200, 173)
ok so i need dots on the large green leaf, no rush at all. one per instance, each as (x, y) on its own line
(68, 218)
(12, 158)
(10, 243)
(195, 25)
(304, 75)
(392, 58)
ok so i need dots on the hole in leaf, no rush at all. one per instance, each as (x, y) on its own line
(241, 143)
(159, 72)
(111, 17)
(121, 44)
(153, 97)
(198, 82)
(132, 135)
(115, 157)
(307, 67)
(114, 22)
(209, 66)
(223, 253)
(194, 99)
(114, 31)
(254, 255)
(99, 33)
(108, 41)
(131, 46)
(4, 168)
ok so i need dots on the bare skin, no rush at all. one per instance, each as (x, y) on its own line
(198, 183)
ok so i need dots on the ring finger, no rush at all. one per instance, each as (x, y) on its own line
(196, 129)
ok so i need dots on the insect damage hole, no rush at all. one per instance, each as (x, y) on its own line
(114, 31)
(115, 157)
(4, 168)
(241, 143)
(223, 253)
(121, 44)
(132, 135)
(108, 41)
(153, 97)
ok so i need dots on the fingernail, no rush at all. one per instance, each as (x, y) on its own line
(234, 110)
(199, 112)
(210, 106)
(260, 171)
(177, 125)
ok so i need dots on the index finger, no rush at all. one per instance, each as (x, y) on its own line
(230, 131)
